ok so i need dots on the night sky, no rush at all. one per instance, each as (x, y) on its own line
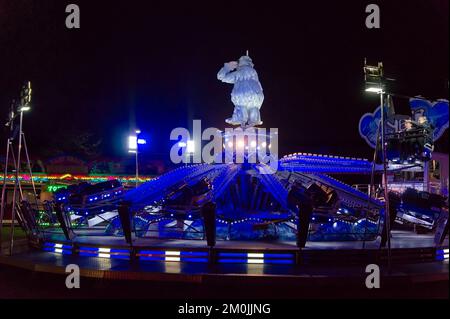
(153, 64)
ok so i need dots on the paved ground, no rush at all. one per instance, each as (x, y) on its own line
(44, 277)
(18, 283)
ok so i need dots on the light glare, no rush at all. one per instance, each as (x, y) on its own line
(132, 142)
(374, 90)
(190, 147)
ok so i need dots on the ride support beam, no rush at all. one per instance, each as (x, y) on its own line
(209, 217)
(64, 222)
(300, 201)
(394, 202)
(125, 220)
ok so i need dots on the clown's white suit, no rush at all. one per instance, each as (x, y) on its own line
(247, 95)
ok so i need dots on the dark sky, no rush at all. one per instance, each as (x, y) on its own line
(154, 63)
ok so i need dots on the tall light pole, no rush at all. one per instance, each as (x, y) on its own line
(133, 147)
(374, 78)
(9, 149)
(25, 102)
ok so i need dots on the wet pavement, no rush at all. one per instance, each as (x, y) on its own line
(42, 275)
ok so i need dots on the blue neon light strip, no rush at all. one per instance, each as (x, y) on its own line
(442, 254)
(57, 248)
(195, 260)
(176, 256)
(194, 253)
(113, 253)
(265, 255)
(152, 252)
(125, 251)
(119, 257)
(187, 256)
(163, 258)
(256, 258)
(89, 248)
(111, 250)
(62, 251)
(49, 244)
(152, 258)
(182, 253)
(265, 261)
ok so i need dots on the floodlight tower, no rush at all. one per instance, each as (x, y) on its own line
(133, 147)
(375, 83)
(24, 106)
(10, 124)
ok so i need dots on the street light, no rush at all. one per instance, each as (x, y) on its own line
(374, 90)
(133, 146)
(25, 108)
(24, 105)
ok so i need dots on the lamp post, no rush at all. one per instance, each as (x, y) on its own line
(374, 79)
(133, 147)
(10, 124)
(24, 106)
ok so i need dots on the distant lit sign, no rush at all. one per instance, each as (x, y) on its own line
(55, 188)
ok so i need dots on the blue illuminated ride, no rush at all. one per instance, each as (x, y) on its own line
(250, 205)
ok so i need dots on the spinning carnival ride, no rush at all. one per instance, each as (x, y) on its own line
(249, 205)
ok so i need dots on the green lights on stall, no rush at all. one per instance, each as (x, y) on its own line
(55, 188)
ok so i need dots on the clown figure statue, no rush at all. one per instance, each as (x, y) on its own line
(247, 95)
